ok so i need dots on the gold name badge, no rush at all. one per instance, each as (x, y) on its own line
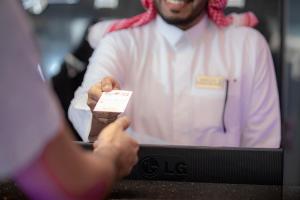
(210, 82)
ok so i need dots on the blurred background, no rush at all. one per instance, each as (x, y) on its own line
(61, 27)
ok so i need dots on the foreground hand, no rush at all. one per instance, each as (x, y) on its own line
(118, 144)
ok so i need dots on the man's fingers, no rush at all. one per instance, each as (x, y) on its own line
(94, 95)
(95, 92)
(107, 84)
(91, 103)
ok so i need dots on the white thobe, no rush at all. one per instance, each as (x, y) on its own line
(162, 65)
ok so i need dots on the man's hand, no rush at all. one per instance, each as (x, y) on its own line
(115, 143)
(107, 84)
(101, 119)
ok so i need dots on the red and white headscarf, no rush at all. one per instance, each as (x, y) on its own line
(215, 12)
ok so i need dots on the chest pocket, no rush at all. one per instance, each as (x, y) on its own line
(208, 109)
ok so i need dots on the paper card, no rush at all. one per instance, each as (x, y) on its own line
(113, 101)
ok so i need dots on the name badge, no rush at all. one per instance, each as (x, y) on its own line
(210, 82)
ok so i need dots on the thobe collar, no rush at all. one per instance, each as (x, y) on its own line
(175, 35)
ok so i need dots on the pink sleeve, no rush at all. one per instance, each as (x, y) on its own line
(30, 116)
(38, 182)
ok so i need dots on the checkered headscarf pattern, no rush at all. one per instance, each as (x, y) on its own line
(215, 10)
(138, 20)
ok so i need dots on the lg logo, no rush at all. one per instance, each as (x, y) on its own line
(153, 166)
(179, 168)
(150, 167)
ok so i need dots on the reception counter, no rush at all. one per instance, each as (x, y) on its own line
(173, 172)
(129, 189)
(190, 190)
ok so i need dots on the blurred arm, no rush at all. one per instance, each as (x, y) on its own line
(64, 171)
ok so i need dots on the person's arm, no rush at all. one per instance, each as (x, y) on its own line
(36, 149)
(109, 59)
(66, 171)
(263, 126)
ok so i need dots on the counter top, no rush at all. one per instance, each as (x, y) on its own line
(128, 189)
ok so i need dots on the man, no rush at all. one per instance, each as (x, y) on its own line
(198, 78)
(36, 148)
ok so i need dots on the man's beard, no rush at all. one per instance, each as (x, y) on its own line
(179, 22)
(182, 22)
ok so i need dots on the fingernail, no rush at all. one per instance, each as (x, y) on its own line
(107, 87)
(95, 144)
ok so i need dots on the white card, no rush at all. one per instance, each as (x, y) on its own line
(113, 101)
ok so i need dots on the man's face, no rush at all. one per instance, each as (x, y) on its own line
(181, 13)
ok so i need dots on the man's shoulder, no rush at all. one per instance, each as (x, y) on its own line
(242, 31)
(244, 34)
(140, 32)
